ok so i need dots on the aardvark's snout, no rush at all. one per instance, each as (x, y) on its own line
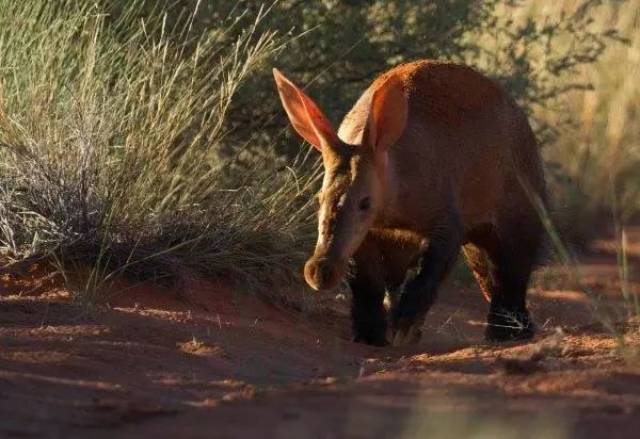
(321, 273)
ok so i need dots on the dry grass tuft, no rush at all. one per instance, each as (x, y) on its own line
(109, 132)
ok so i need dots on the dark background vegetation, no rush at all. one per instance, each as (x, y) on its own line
(336, 48)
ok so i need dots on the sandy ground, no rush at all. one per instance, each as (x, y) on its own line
(205, 361)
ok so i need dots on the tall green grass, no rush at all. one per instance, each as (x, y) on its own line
(109, 131)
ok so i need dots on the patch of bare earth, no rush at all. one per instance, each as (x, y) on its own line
(204, 361)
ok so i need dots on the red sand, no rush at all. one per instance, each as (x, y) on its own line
(207, 361)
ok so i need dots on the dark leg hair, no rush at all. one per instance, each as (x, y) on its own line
(508, 317)
(503, 267)
(420, 292)
(369, 317)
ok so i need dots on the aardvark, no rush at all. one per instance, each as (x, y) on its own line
(433, 158)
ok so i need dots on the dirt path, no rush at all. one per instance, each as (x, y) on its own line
(207, 362)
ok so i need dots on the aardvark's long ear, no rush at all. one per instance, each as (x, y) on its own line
(387, 115)
(304, 114)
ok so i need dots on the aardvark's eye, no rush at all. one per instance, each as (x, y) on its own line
(365, 203)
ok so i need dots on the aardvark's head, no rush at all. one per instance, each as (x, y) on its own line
(353, 187)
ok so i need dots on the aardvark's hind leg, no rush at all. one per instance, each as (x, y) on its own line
(513, 258)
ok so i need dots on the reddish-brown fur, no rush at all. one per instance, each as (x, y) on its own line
(444, 157)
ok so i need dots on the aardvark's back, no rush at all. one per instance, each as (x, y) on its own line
(464, 139)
